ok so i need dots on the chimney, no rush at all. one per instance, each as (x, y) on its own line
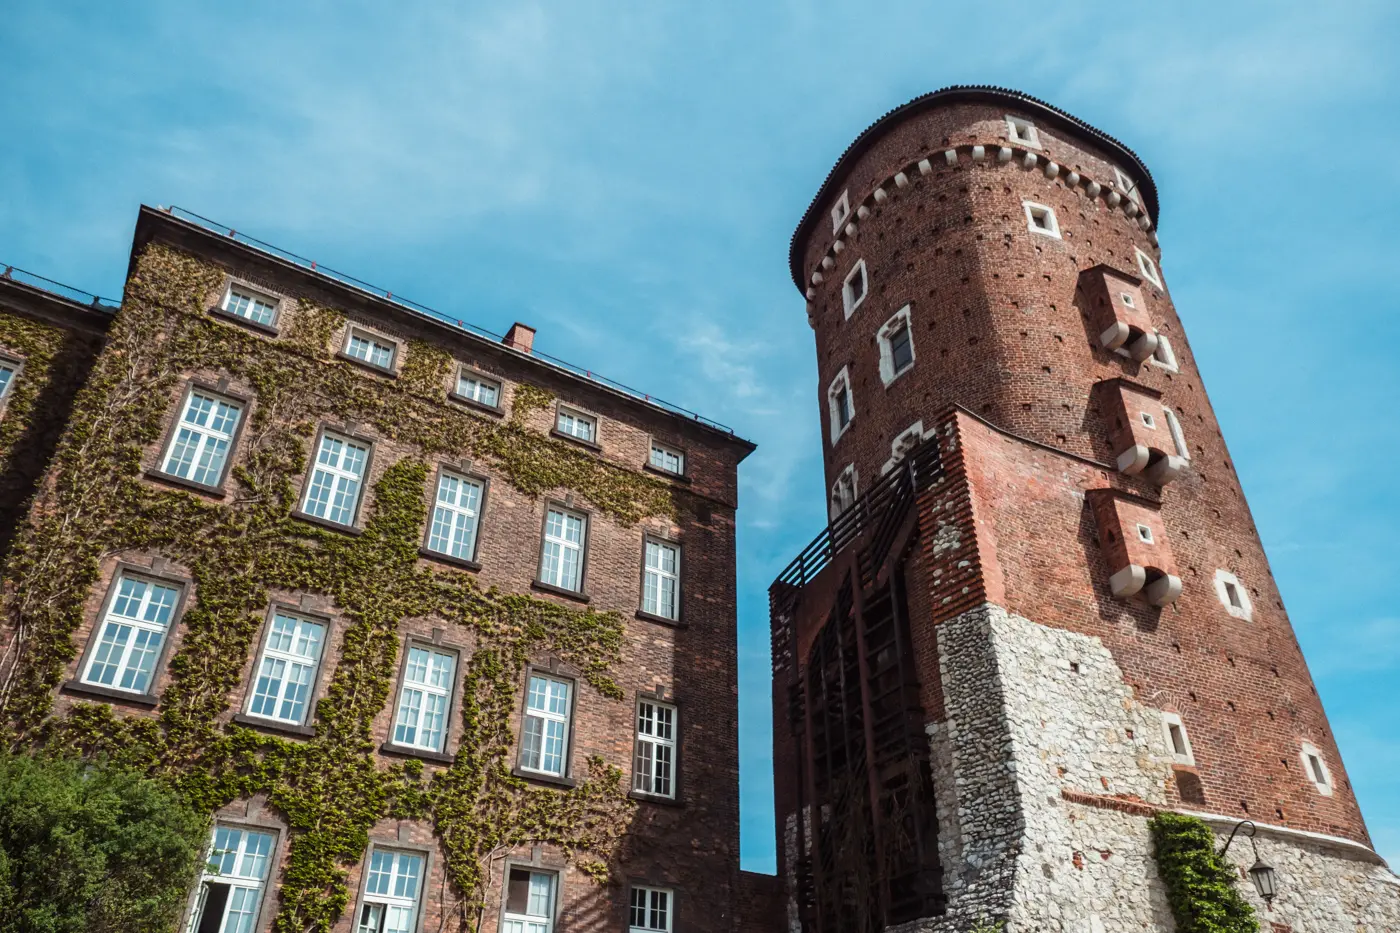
(520, 336)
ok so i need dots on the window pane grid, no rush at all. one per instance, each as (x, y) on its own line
(561, 557)
(529, 901)
(663, 458)
(391, 892)
(424, 698)
(478, 390)
(650, 910)
(544, 738)
(334, 489)
(238, 859)
(252, 307)
(7, 375)
(453, 530)
(133, 631)
(202, 439)
(575, 425)
(288, 668)
(370, 351)
(654, 768)
(661, 579)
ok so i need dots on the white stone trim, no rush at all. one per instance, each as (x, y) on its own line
(1127, 186)
(844, 491)
(1144, 533)
(1178, 436)
(843, 378)
(1245, 610)
(1223, 822)
(1040, 218)
(1148, 268)
(882, 337)
(1310, 753)
(1023, 131)
(848, 299)
(1162, 355)
(902, 444)
(840, 211)
(1171, 722)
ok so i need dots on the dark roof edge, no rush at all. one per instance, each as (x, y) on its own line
(58, 309)
(959, 93)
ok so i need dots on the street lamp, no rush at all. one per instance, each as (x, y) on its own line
(1263, 876)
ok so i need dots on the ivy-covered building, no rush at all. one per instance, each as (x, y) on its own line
(440, 631)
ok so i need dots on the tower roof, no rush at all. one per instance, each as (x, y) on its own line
(966, 93)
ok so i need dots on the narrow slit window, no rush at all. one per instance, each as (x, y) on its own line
(424, 698)
(544, 741)
(667, 459)
(561, 558)
(334, 491)
(856, 286)
(650, 910)
(259, 309)
(455, 516)
(369, 349)
(840, 211)
(132, 633)
(654, 763)
(530, 897)
(479, 389)
(577, 425)
(841, 405)
(199, 447)
(392, 884)
(287, 669)
(661, 579)
(1178, 742)
(1233, 595)
(1315, 769)
(1178, 436)
(233, 881)
(896, 342)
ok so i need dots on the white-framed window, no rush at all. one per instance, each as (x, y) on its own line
(1126, 186)
(843, 491)
(855, 288)
(456, 516)
(667, 459)
(561, 557)
(661, 579)
(287, 668)
(232, 883)
(1148, 421)
(1148, 268)
(650, 910)
(576, 424)
(199, 445)
(530, 897)
(1178, 742)
(367, 348)
(424, 697)
(1127, 299)
(1041, 219)
(1163, 355)
(903, 443)
(478, 388)
(133, 630)
(1315, 767)
(1178, 436)
(334, 490)
(654, 762)
(393, 880)
(896, 342)
(1233, 595)
(1020, 130)
(1144, 534)
(544, 741)
(8, 370)
(248, 304)
(840, 404)
(840, 211)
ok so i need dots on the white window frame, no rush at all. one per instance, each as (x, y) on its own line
(478, 383)
(336, 478)
(136, 624)
(1188, 757)
(840, 212)
(432, 687)
(1044, 212)
(1224, 579)
(666, 451)
(1023, 131)
(844, 491)
(1178, 436)
(658, 740)
(242, 878)
(1126, 186)
(454, 528)
(555, 546)
(848, 299)
(903, 442)
(884, 338)
(1144, 533)
(388, 900)
(1148, 421)
(291, 688)
(575, 418)
(203, 437)
(546, 715)
(1127, 299)
(655, 578)
(375, 342)
(1163, 355)
(1148, 267)
(529, 922)
(254, 298)
(1310, 754)
(649, 909)
(842, 380)
(11, 369)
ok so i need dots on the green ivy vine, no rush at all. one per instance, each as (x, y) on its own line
(329, 788)
(1201, 886)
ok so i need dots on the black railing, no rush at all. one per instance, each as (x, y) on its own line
(386, 295)
(76, 295)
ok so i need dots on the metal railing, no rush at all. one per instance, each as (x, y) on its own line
(77, 295)
(386, 295)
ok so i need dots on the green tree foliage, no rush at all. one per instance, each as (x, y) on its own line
(86, 848)
(1200, 884)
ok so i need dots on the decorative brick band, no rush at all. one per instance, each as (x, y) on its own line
(1122, 804)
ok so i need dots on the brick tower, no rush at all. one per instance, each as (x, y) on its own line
(1041, 612)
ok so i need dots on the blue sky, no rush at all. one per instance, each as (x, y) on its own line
(626, 177)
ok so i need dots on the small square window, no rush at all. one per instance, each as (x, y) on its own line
(577, 425)
(667, 459)
(370, 349)
(856, 287)
(1128, 299)
(1148, 268)
(1178, 742)
(1041, 219)
(242, 302)
(1019, 130)
(1149, 421)
(474, 387)
(1144, 534)
(840, 211)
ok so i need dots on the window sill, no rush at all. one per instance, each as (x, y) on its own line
(442, 558)
(494, 410)
(678, 477)
(326, 523)
(170, 479)
(553, 590)
(268, 329)
(1183, 766)
(660, 620)
(274, 725)
(147, 700)
(406, 751)
(658, 800)
(537, 777)
(382, 370)
(588, 445)
(895, 378)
